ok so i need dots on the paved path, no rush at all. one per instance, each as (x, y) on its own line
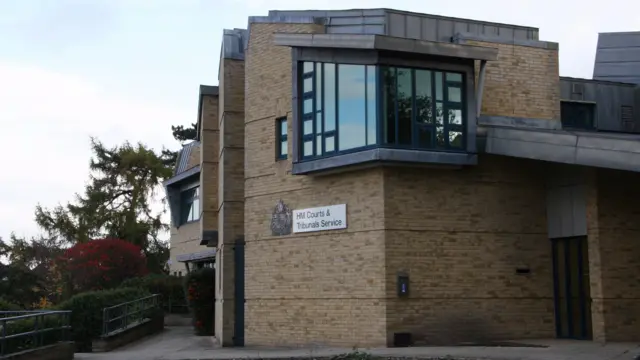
(179, 343)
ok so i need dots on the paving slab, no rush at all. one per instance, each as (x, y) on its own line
(179, 343)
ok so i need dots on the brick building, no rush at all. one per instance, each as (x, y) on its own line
(370, 176)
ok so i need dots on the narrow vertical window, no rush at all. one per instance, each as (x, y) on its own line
(282, 143)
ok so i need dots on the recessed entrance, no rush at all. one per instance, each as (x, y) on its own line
(571, 288)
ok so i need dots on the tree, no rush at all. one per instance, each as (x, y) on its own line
(35, 256)
(116, 202)
(181, 134)
(102, 264)
(18, 284)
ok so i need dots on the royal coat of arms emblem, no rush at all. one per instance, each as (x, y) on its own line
(281, 220)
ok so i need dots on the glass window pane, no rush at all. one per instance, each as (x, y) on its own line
(405, 105)
(372, 108)
(196, 209)
(308, 148)
(284, 148)
(329, 97)
(307, 84)
(329, 144)
(440, 140)
(439, 113)
(389, 105)
(454, 77)
(283, 127)
(318, 86)
(455, 116)
(308, 106)
(308, 127)
(424, 101)
(425, 137)
(351, 107)
(438, 80)
(307, 67)
(454, 94)
(319, 144)
(455, 139)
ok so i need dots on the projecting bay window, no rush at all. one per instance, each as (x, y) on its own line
(339, 108)
(190, 205)
(347, 108)
(423, 109)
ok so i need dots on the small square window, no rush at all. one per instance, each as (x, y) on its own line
(281, 139)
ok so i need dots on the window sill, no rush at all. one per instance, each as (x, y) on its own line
(384, 155)
(188, 223)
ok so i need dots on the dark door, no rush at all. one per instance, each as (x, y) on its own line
(571, 288)
(238, 336)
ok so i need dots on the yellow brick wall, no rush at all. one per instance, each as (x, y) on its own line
(614, 225)
(523, 82)
(184, 240)
(315, 288)
(460, 235)
(210, 148)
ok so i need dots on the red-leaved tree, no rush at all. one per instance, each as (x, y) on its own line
(102, 264)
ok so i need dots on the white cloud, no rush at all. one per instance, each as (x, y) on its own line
(46, 119)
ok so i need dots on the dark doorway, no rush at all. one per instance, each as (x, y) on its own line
(238, 335)
(571, 288)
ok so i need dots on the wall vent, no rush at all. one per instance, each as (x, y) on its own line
(626, 117)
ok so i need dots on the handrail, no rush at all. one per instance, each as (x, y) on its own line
(121, 316)
(19, 341)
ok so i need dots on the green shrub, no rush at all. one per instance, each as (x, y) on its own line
(26, 342)
(199, 286)
(169, 287)
(87, 312)
(8, 306)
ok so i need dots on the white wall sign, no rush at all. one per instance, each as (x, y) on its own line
(321, 218)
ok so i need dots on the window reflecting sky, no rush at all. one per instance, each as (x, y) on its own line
(353, 106)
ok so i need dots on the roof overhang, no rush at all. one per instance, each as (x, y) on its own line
(603, 150)
(386, 43)
(182, 176)
(197, 256)
(205, 90)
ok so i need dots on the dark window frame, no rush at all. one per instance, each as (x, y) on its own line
(568, 123)
(303, 95)
(281, 138)
(187, 198)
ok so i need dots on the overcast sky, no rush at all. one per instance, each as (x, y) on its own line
(129, 69)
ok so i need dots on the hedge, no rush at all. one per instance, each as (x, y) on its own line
(26, 342)
(87, 310)
(8, 306)
(200, 287)
(169, 287)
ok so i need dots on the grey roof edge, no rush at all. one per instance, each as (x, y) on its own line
(205, 90)
(383, 42)
(384, 11)
(621, 152)
(182, 176)
(598, 81)
(461, 38)
(200, 255)
(619, 33)
(442, 17)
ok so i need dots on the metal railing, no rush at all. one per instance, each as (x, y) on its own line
(175, 307)
(122, 316)
(27, 330)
